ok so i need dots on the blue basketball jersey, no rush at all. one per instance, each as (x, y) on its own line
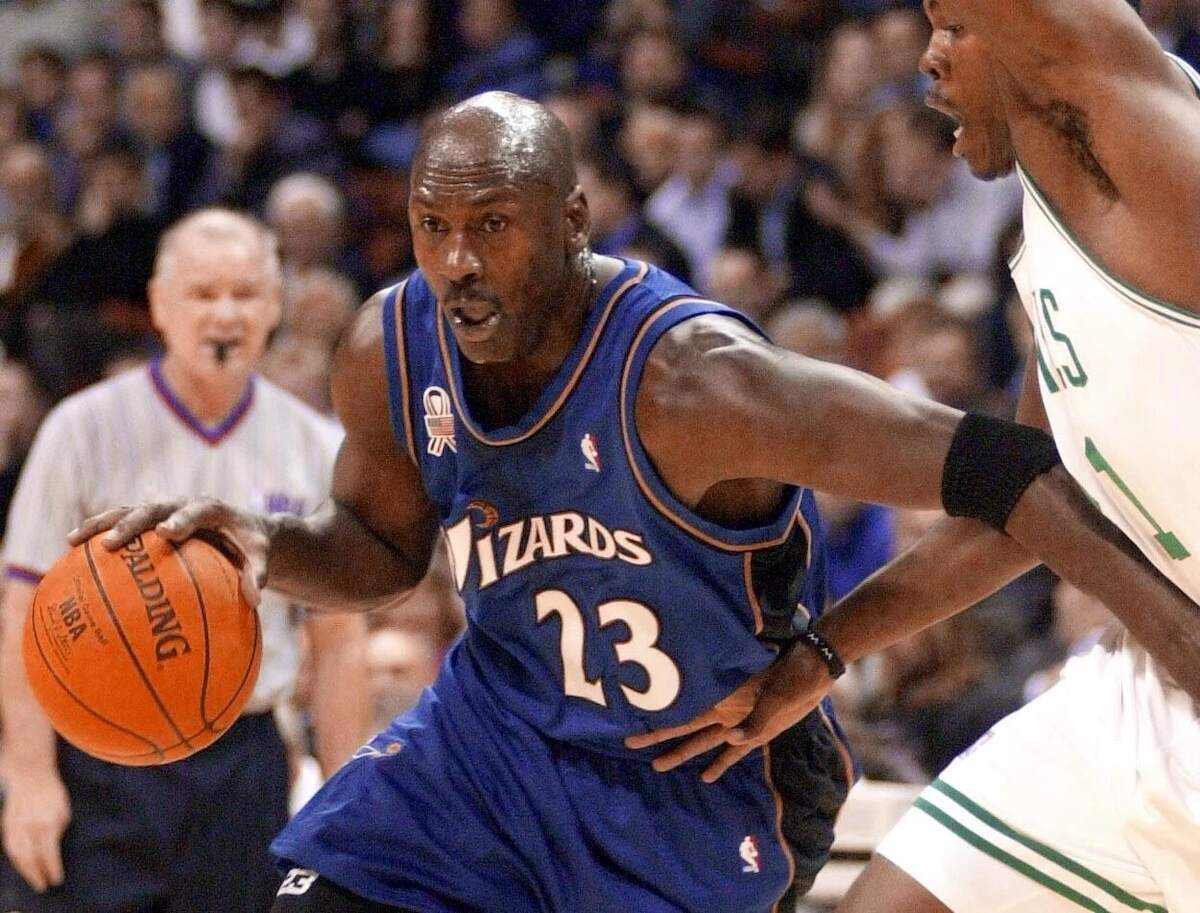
(598, 605)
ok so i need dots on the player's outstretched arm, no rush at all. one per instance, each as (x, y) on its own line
(794, 420)
(366, 545)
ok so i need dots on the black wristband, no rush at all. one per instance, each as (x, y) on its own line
(990, 464)
(812, 638)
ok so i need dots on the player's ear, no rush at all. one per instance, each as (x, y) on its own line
(578, 219)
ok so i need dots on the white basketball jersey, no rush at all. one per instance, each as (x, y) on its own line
(1119, 372)
(130, 440)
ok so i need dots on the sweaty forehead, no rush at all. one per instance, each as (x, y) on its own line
(517, 146)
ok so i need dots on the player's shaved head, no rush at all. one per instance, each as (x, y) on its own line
(220, 226)
(498, 131)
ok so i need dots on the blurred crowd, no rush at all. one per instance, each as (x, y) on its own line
(775, 153)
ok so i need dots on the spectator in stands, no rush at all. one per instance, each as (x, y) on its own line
(378, 195)
(810, 327)
(332, 84)
(618, 226)
(22, 405)
(738, 277)
(177, 156)
(272, 141)
(42, 81)
(65, 28)
(654, 68)
(308, 213)
(500, 52)
(830, 126)
(92, 299)
(406, 63)
(301, 367)
(942, 692)
(135, 33)
(579, 115)
(212, 101)
(401, 663)
(13, 119)
(859, 540)
(947, 358)
(649, 142)
(320, 306)
(768, 213)
(87, 121)
(32, 236)
(900, 34)
(928, 191)
(692, 206)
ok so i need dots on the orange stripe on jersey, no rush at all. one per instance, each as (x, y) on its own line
(452, 378)
(751, 596)
(787, 849)
(402, 358)
(627, 433)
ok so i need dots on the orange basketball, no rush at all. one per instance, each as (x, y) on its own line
(144, 655)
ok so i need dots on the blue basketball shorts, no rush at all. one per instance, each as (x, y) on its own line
(461, 807)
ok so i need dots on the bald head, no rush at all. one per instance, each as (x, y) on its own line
(499, 131)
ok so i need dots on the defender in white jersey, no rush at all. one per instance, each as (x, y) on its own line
(1089, 798)
(198, 422)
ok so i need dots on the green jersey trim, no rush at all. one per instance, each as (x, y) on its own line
(1157, 306)
(1049, 853)
(1017, 254)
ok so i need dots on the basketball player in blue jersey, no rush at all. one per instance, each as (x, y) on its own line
(617, 468)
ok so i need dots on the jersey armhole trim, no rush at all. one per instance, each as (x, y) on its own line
(1144, 300)
(741, 540)
(399, 405)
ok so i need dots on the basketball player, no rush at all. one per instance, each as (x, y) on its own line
(615, 464)
(85, 835)
(1089, 798)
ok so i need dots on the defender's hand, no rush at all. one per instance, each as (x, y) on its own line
(36, 812)
(766, 705)
(247, 535)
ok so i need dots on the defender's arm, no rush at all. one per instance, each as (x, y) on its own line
(787, 418)
(953, 566)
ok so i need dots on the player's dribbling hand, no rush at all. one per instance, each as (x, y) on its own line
(36, 812)
(245, 533)
(762, 708)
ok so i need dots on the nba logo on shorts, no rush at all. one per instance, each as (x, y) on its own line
(749, 853)
(297, 882)
(439, 421)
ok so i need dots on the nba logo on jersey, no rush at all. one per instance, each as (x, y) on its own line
(439, 421)
(591, 453)
(749, 853)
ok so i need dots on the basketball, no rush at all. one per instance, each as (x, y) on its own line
(143, 655)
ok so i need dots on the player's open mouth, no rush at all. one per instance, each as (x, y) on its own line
(463, 318)
(936, 102)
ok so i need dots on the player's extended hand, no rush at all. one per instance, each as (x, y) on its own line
(245, 534)
(774, 700)
(36, 812)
